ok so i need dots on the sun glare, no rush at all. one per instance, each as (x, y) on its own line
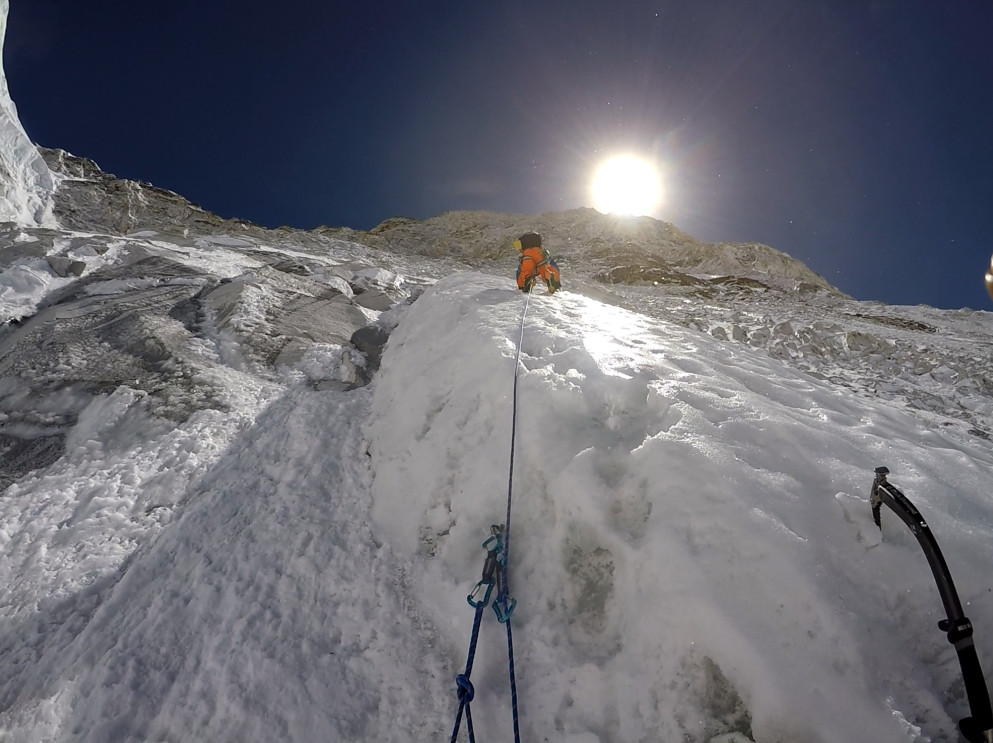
(626, 185)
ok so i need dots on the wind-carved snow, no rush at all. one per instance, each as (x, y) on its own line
(26, 182)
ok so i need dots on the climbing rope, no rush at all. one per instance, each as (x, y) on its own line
(465, 690)
(497, 548)
(501, 600)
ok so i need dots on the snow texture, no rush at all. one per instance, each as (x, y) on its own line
(247, 474)
(691, 545)
(26, 183)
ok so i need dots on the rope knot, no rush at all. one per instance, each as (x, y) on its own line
(465, 691)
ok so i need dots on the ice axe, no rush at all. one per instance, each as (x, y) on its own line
(978, 728)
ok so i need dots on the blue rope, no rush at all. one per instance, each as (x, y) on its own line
(498, 553)
(489, 579)
(513, 441)
(507, 607)
(513, 684)
(466, 692)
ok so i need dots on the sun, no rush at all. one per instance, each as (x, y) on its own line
(626, 184)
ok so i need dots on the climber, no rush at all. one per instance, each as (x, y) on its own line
(535, 262)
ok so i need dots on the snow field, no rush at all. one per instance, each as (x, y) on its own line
(688, 516)
(691, 548)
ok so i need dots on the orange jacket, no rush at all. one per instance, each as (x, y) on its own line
(536, 262)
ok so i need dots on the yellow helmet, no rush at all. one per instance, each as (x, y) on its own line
(518, 246)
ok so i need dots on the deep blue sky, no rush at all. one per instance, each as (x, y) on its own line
(855, 135)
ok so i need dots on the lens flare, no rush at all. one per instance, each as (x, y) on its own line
(989, 278)
(626, 184)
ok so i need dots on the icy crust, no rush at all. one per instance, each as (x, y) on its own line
(214, 582)
(674, 495)
(905, 355)
(190, 548)
(26, 183)
(168, 315)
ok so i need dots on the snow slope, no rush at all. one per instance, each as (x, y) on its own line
(225, 518)
(692, 548)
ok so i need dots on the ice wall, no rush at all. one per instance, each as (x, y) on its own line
(26, 183)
